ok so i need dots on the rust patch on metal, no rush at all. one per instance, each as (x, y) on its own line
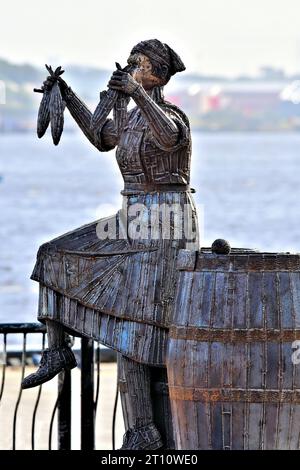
(194, 333)
(122, 386)
(212, 395)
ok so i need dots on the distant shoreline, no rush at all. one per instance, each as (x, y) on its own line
(193, 129)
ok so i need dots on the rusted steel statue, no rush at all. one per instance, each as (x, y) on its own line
(115, 279)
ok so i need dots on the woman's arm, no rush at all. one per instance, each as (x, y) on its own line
(106, 136)
(163, 128)
(102, 132)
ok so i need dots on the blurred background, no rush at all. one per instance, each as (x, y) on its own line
(241, 91)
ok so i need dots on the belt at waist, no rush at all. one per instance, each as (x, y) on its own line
(133, 188)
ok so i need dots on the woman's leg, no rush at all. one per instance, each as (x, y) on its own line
(57, 357)
(136, 398)
(56, 334)
(134, 385)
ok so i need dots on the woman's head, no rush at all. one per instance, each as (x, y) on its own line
(152, 63)
(140, 67)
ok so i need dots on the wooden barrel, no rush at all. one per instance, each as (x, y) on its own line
(232, 381)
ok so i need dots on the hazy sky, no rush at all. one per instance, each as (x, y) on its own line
(212, 36)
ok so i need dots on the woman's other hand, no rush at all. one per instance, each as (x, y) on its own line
(55, 76)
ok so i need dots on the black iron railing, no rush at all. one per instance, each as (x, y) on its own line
(89, 360)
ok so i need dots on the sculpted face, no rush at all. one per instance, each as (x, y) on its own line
(140, 68)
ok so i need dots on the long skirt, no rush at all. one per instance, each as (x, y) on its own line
(114, 280)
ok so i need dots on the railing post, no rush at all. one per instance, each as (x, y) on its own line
(64, 411)
(87, 395)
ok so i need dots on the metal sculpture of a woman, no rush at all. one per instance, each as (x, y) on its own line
(114, 279)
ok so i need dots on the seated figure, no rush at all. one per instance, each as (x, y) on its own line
(114, 280)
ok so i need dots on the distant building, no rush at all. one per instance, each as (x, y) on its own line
(241, 104)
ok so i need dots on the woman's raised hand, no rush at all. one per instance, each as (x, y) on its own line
(123, 81)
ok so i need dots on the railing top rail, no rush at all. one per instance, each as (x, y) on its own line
(22, 328)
